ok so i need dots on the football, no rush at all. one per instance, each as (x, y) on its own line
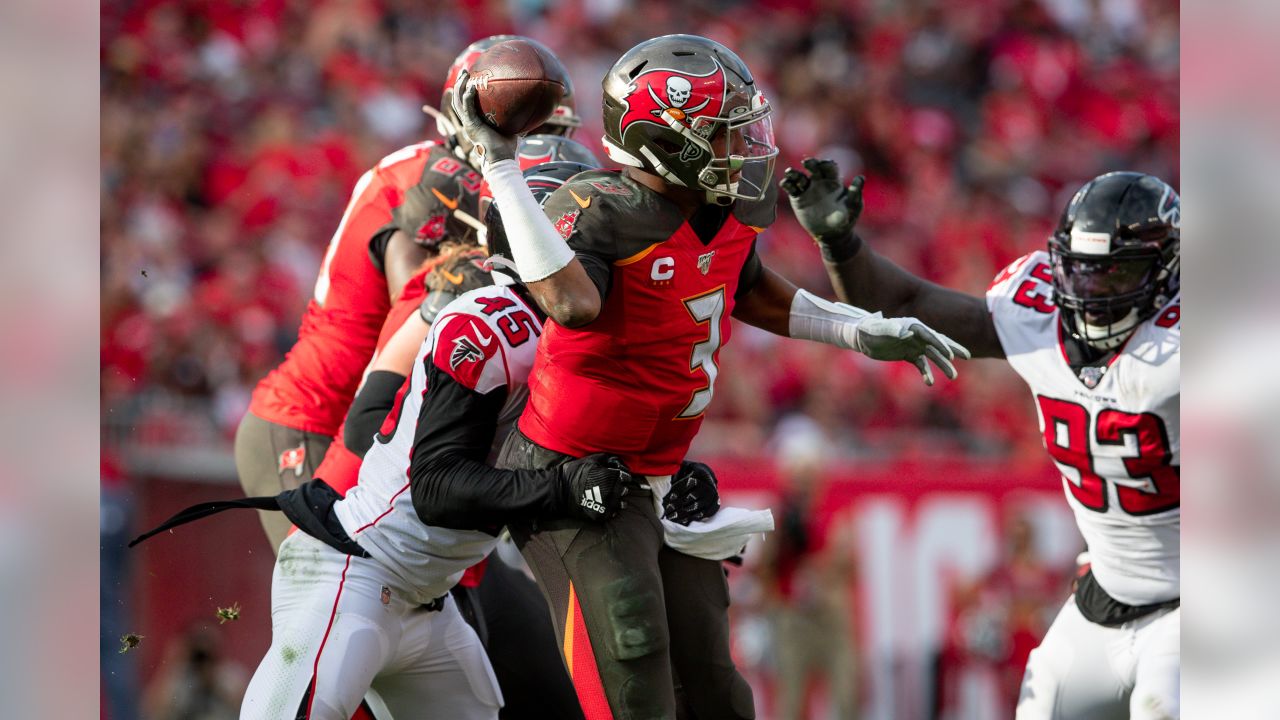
(518, 85)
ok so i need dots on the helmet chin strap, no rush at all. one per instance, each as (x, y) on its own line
(508, 275)
(1092, 335)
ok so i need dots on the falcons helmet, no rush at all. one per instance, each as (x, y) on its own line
(1115, 256)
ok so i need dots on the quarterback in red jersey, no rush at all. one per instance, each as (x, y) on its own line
(399, 213)
(658, 257)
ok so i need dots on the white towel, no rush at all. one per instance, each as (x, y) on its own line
(722, 536)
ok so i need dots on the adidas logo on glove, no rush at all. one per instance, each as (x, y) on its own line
(592, 500)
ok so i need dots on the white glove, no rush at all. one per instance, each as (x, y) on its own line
(873, 335)
(881, 338)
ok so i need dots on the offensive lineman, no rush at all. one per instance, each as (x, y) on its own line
(1094, 328)
(659, 257)
(398, 214)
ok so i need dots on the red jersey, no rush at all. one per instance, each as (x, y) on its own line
(637, 380)
(414, 189)
(340, 467)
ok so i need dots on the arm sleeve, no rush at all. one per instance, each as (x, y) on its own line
(376, 398)
(451, 485)
(538, 250)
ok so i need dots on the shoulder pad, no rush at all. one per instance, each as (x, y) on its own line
(1027, 282)
(464, 346)
(603, 213)
(428, 213)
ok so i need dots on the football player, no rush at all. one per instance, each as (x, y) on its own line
(1093, 325)
(398, 214)
(470, 391)
(512, 614)
(360, 595)
(659, 256)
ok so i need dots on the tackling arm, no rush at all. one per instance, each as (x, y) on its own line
(828, 210)
(450, 484)
(871, 281)
(774, 304)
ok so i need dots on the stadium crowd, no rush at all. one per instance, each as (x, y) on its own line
(233, 131)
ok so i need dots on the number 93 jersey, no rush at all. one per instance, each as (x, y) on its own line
(1114, 434)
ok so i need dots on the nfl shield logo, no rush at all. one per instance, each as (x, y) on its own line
(1091, 376)
(386, 595)
(704, 262)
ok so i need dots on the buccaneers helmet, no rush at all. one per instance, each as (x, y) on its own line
(562, 121)
(543, 180)
(687, 109)
(1115, 256)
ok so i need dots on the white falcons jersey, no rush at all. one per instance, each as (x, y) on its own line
(486, 340)
(1113, 434)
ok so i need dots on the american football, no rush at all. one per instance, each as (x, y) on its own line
(518, 85)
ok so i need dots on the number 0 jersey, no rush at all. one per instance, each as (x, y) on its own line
(468, 386)
(637, 380)
(1114, 434)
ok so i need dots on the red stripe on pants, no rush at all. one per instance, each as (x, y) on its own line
(582, 664)
(315, 669)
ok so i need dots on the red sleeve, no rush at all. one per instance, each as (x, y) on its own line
(463, 350)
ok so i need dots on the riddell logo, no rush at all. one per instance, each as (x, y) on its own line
(593, 500)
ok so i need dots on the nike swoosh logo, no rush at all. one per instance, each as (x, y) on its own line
(484, 340)
(451, 204)
(455, 278)
(584, 204)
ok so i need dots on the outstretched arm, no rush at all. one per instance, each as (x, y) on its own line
(772, 303)
(828, 210)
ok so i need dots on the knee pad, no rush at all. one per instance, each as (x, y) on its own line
(635, 613)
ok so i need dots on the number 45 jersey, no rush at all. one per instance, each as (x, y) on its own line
(1113, 433)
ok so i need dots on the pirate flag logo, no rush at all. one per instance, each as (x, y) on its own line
(679, 96)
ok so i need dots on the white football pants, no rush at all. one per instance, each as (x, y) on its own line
(339, 626)
(1085, 671)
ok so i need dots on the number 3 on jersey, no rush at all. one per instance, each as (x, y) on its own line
(707, 308)
(1140, 436)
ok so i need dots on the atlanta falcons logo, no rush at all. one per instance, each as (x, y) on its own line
(464, 351)
(680, 96)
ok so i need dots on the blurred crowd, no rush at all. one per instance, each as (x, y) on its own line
(233, 131)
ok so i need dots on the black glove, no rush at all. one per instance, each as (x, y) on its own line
(489, 145)
(827, 209)
(593, 486)
(693, 494)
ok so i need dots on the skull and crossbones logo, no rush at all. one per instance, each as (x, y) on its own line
(679, 92)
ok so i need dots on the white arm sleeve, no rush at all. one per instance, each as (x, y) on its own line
(536, 247)
(813, 318)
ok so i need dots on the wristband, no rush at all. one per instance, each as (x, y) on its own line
(813, 318)
(838, 249)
